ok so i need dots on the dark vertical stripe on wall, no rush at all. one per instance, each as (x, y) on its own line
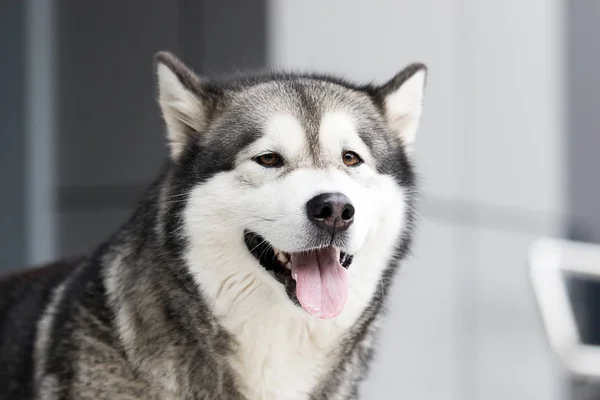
(583, 131)
(583, 141)
(12, 134)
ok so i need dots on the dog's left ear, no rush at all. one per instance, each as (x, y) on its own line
(401, 99)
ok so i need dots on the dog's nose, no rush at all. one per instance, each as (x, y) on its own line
(331, 211)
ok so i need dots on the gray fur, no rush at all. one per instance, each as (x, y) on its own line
(130, 322)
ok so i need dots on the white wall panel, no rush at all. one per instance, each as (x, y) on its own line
(417, 356)
(514, 360)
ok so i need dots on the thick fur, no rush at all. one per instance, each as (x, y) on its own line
(174, 305)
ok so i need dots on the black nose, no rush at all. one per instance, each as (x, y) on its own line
(331, 211)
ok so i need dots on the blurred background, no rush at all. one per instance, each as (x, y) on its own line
(507, 151)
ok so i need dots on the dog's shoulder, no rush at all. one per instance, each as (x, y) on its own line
(17, 284)
(24, 296)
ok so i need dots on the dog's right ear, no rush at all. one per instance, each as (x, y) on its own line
(184, 101)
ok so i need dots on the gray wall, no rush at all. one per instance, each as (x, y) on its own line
(109, 138)
(82, 133)
(13, 140)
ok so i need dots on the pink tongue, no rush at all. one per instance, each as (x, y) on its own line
(321, 282)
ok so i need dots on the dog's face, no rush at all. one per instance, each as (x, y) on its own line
(303, 183)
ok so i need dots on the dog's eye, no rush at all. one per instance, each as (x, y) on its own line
(269, 160)
(351, 159)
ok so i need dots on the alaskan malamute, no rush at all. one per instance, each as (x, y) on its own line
(256, 265)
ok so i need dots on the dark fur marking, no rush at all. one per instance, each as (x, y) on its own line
(22, 301)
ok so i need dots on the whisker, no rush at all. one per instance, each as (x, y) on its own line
(267, 247)
(417, 213)
(178, 195)
(255, 247)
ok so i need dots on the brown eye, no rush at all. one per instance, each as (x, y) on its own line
(351, 159)
(269, 160)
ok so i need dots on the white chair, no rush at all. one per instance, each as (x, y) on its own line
(556, 266)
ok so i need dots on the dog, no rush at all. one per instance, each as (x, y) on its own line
(257, 264)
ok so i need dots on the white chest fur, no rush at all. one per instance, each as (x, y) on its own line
(281, 351)
(282, 355)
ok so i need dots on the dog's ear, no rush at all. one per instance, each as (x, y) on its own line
(185, 101)
(401, 99)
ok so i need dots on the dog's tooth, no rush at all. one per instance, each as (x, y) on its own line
(288, 265)
(282, 257)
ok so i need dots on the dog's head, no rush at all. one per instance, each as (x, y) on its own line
(302, 182)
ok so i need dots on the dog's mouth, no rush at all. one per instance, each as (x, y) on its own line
(315, 278)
